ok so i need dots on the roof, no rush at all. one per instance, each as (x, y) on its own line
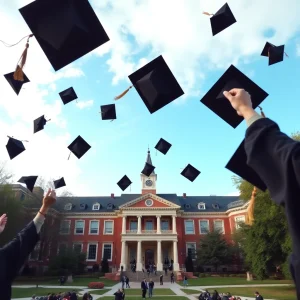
(149, 160)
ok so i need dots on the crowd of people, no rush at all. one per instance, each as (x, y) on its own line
(63, 296)
(224, 296)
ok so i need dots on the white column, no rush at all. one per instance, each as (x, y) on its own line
(175, 258)
(139, 265)
(124, 225)
(123, 256)
(158, 225)
(174, 224)
(139, 230)
(159, 266)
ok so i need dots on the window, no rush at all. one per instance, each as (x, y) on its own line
(77, 247)
(96, 206)
(133, 225)
(165, 225)
(108, 227)
(107, 251)
(204, 226)
(238, 221)
(62, 248)
(201, 206)
(191, 250)
(189, 227)
(94, 227)
(149, 225)
(68, 206)
(219, 226)
(79, 227)
(215, 206)
(34, 255)
(92, 251)
(65, 226)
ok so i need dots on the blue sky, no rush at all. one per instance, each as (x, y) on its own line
(198, 136)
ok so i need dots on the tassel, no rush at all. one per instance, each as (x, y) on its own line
(69, 155)
(123, 94)
(19, 75)
(208, 14)
(286, 54)
(250, 215)
(261, 112)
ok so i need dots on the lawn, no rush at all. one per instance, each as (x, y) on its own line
(99, 292)
(213, 281)
(275, 292)
(28, 292)
(139, 296)
(138, 292)
(190, 292)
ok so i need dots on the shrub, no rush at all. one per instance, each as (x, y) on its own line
(196, 274)
(96, 285)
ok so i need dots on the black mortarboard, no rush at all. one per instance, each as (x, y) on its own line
(216, 101)
(29, 181)
(39, 123)
(275, 53)
(79, 147)
(14, 147)
(68, 95)
(163, 146)
(124, 183)
(108, 112)
(148, 169)
(15, 84)
(222, 19)
(190, 172)
(66, 30)
(59, 183)
(238, 165)
(156, 84)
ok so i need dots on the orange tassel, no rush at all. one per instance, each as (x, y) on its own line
(250, 215)
(123, 94)
(19, 75)
(208, 14)
(261, 112)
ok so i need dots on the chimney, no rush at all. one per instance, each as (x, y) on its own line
(112, 196)
(184, 195)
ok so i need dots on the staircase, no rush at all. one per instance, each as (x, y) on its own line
(138, 276)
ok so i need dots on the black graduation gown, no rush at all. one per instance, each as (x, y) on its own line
(13, 255)
(276, 159)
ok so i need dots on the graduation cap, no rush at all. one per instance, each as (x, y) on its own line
(15, 84)
(68, 95)
(59, 183)
(108, 112)
(14, 147)
(216, 101)
(148, 169)
(275, 53)
(65, 30)
(124, 183)
(221, 20)
(190, 172)
(79, 147)
(39, 123)
(163, 146)
(29, 181)
(238, 165)
(156, 84)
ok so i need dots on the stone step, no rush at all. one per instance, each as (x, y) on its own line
(139, 276)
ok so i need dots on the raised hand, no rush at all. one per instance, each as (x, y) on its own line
(48, 201)
(3, 221)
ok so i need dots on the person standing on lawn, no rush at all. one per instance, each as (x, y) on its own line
(151, 287)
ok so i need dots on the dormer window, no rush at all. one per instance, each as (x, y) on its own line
(187, 206)
(201, 206)
(83, 206)
(110, 206)
(68, 206)
(96, 206)
(216, 206)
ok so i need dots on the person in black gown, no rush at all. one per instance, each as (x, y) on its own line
(14, 254)
(275, 157)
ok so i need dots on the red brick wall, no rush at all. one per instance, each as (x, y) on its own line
(155, 204)
(144, 192)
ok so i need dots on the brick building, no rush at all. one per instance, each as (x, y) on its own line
(146, 227)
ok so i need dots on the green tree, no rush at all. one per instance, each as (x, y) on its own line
(214, 250)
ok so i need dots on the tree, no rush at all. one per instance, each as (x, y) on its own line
(5, 175)
(214, 250)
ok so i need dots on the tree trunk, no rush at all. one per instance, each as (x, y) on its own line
(249, 276)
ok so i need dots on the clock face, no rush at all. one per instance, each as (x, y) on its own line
(149, 202)
(149, 182)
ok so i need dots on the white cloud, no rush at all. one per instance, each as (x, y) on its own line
(85, 104)
(234, 194)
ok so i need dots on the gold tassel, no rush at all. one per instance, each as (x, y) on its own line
(123, 94)
(19, 75)
(250, 215)
(208, 14)
(261, 112)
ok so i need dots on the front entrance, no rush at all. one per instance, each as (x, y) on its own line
(149, 257)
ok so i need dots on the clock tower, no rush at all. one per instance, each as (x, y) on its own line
(149, 182)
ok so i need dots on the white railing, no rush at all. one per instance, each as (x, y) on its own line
(131, 231)
(149, 231)
(166, 231)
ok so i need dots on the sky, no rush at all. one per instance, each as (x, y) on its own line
(139, 31)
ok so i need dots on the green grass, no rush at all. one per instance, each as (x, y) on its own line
(190, 292)
(136, 297)
(138, 292)
(275, 292)
(214, 281)
(99, 292)
(28, 292)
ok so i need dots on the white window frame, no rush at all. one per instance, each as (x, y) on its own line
(78, 243)
(58, 246)
(223, 227)
(185, 226)
(96, 205)
(112, 250)
(88, 249)
(60, 227)
(113, 227)
(238, 222)
(201, 204)
(207, 221)
(68, 206)
(75, 233)
(186, 248)
(90, 227)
